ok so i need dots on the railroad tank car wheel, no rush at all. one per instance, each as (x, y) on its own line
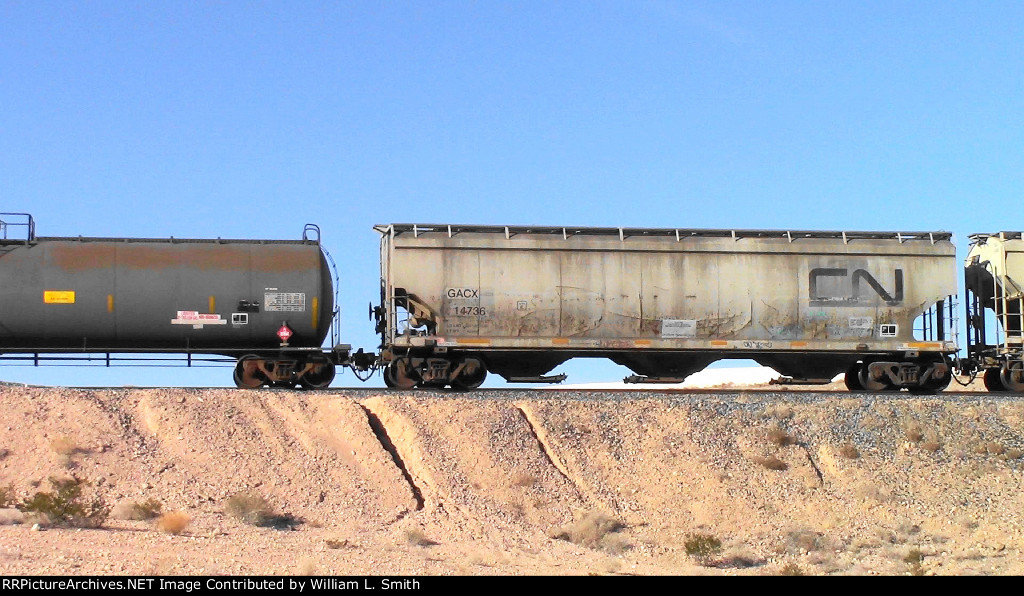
(993, 381)
(472, 375)
(319, 377)
(400, 374)
(1012, 377)
(852, 378)
(248, 374)
(870, 384)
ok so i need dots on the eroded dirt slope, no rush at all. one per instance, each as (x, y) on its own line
(439, 483)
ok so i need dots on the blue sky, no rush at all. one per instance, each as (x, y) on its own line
(246, 119)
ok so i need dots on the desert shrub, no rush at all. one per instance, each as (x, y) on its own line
(702, 547)
(149, 509)
(65, 506)
(524, 480)
(593, 531)
(771, 462)
(914, 433)
(1014, 453)
(173, 522)
(416, 537)
(849, 451)
(915, 559)
(7, 497)
(64, 445)
(931, 445)
(334, 543)
(803, 541)
(994, 448)
(779, 437)
(791, 569)
(253, 509)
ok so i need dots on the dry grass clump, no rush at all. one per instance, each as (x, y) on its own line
(524, 480)
(771, 462)
(931, 445)
(849, 451)
(804, 541)
(7, 496)
(703, 547)
(65, 447)
(915, 559)
(416, 537)
(147, 510)
(914, 433)
(1014, 453)
(65, 506)
(253, 509)
(994, 448)
(173, 522)
(779, 437)
(791, 569)
(594, 531)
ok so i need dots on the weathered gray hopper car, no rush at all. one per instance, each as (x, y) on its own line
(994, 278)
(458, 301)
(268, 303)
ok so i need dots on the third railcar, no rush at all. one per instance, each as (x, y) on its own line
(458, 301)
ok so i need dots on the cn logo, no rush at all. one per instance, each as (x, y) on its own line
(829, 287)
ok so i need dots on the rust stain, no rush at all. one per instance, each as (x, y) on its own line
(75, 256)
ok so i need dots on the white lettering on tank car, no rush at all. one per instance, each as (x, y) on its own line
(678, 328)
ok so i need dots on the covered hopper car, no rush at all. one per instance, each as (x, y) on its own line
(267, 305)
(994, 281)
(459, 301)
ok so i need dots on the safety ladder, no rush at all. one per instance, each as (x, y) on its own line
(1008, 307)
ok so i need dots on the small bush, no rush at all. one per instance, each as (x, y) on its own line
(849, 451)
(771, 462)
(915, 558)
(804, 541)
(150, 509)
(593, 532)
(65, 507)
(64, 445)
(914, 433)
(253, 509)
(791, 569)
(702, 547)
(524, 480)
(994, 448)
(173, 522)
(931, 445)
(7, 498)
(416, 537)
(335, 544)
(779, 437)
